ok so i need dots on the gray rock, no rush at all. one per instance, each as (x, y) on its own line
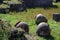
(40, 18)
(17, 7)
(16, 34)
(23, 25)
(43, 29)
(37, 3)
(56, 17)
(4, 10)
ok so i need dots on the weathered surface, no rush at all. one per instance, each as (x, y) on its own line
(23, 25)
(43, 29)
(4, 10)
(17, 34)
(56, 17)
(43, 2)
(40, 18)
(36, 3)
(17, 7)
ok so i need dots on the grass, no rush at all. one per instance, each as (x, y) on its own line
(28, 17)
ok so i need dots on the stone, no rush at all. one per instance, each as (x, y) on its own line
(4, 10)
(22, 25)
(56, 17)
(37, 3)
(17, 7)
(16, 34)
(43, 29)
(40, 18)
